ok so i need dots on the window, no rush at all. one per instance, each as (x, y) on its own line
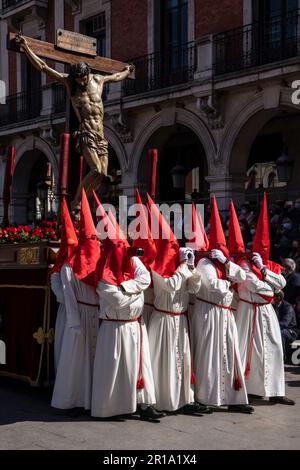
(95, 27)
(277, 25)
(174, 31)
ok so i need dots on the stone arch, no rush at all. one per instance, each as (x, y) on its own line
(23, 169)
(33, 143)
(244, 127)
(183, 117)
(118, 147)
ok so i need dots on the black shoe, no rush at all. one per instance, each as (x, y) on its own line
(203, 408)
(241, 409)
(150, 414)
(255, 397)
(282, 400)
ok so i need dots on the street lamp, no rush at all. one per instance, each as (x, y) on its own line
(284, 168)
(178, 176)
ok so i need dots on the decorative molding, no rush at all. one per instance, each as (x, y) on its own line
(121, 125)
(210, 109)
(49, 135)
(76, 6)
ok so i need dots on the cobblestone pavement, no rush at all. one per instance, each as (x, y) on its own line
(28, 422)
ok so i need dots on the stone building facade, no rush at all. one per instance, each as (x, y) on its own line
(213, 93)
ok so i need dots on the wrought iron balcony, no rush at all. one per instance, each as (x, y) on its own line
(8, 6)
(25, 106)
(257, 44)
(162, 69)
(59, 97)
(20, 107)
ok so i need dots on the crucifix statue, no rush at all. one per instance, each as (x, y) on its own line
(85, 92)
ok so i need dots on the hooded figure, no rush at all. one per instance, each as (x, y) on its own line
(73, 384)
(258, 327)
(174, 277)
(68, 244)
(123, 376)
(150, 251)
(219, 375)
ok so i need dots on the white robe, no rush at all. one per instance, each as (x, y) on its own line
(117, 357)
(169, 338)
(267, 366)
(148, 305)
(73, 383)
(215, 339)
(60, 321)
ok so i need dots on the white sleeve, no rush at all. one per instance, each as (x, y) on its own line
(220, 286)
(173, 283)
(277, 281)
(253, 284)
(235, 273)
(142, 278)
(56, 287)
(194, 282)
(72, 310)
(114, 296)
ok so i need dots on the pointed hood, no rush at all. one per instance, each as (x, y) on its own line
(198, 238)
(115, 265)
(216, 234)
(68, 242)
(167, 259)
(235, 239)
(147, 244)
(88, 250)
(261, 241)
(105, 225)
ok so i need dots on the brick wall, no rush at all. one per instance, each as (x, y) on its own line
(129, 29)
(50, 33)
(215, 16)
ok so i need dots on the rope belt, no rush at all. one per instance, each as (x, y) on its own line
(253, 331)
(179, 314)
(86, 303)
(167, 312)
(148, 304)
(140, 380)
(216, 305)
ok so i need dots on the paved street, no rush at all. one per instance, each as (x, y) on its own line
(28, 422)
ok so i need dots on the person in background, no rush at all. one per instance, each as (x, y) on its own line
(292, 288)
(287, 321)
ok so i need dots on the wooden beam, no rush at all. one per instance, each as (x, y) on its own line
(49, 51)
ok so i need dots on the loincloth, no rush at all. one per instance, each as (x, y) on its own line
(92, 140)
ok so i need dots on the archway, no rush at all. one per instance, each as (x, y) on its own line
(177, 146)
(33, 188)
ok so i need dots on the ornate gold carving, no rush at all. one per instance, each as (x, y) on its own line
(41, 336)
(29, 255)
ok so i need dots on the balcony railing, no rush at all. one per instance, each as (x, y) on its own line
(20, 107)
(11, 4)
(257, 44)
(59, 97)
(162, 69)
(26, 106)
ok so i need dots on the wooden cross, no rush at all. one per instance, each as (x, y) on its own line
(70, 48)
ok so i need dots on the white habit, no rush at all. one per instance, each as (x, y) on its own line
(73, 383)
(169, 338)
(215, 339)
(117, 357)
(267, 366)
(60, 321)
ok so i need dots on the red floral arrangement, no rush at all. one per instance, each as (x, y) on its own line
(48, 230)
